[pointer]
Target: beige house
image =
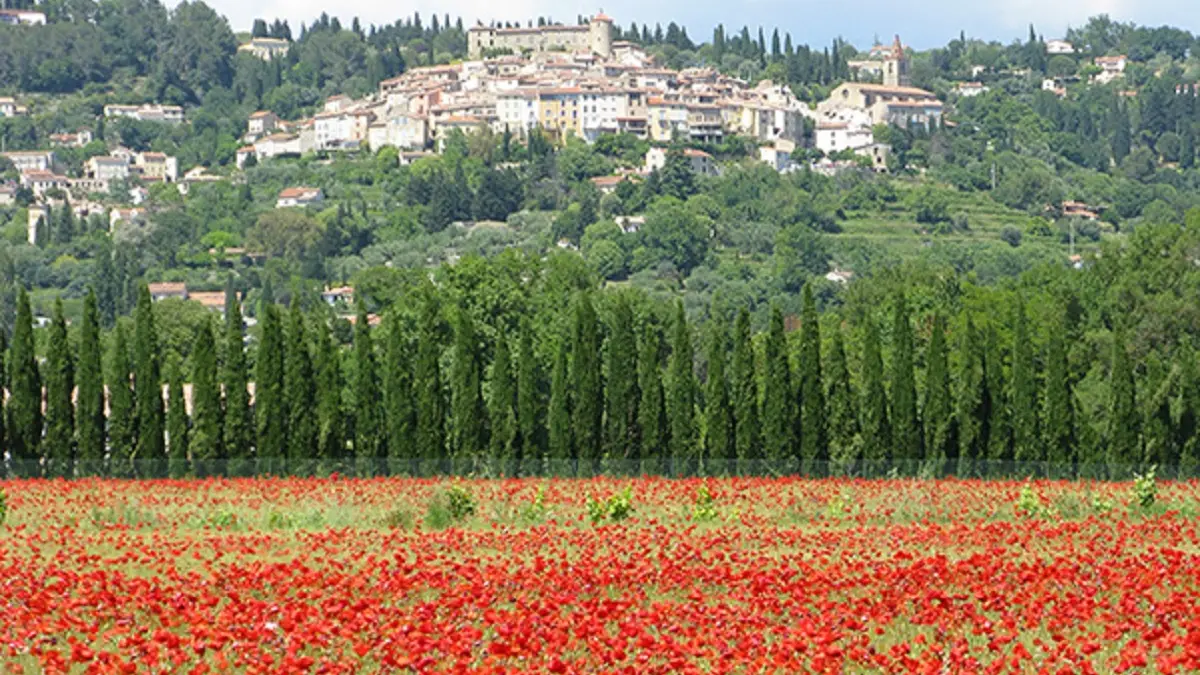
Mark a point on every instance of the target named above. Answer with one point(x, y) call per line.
point(261, 123)
point(595, 37)
point(31, 160)
point(299, 196)
point(700, 162)
point(265, 48)
point(108, 168)
point(155, 166)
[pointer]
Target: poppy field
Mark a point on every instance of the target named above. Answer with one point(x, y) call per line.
point(600, 575)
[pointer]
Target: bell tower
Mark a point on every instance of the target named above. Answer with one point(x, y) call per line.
point(895, 66)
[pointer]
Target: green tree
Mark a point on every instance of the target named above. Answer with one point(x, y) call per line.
point(971, 396)
point(621, 392)
point(588, 409)
point(1158, 427)
point(25, 393)
point(676, 179)
point(778, 415)
point(501, 410)
point(558, 418)
point(299, 393)
point(652, 413)
point(844, 447)
point(89, 417)
point(998, 429)
point(59, 442)
point(1124, 423)
point(528, 401)
point(331, 429)
point(238, 428)
point(1187, 438)
point(1058, 424)
point(681, 399)
point(398, 401)
point(1027, 445)
point(876, 432)
point(906, 428)
point(205, 440)
point(270, 409)
point(719, 445)
point(814, 437)
point(177, 424)
point(147, 377)
point(122, 420)
point(937, 409)
point(745, 396)
point(370, 444)
point(431, 405)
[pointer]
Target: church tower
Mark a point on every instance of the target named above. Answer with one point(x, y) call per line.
point(895, 66)
point(600, 35)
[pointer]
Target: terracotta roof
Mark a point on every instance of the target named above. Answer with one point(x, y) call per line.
point(260, 114)
point(297, 192)
point(167, 287)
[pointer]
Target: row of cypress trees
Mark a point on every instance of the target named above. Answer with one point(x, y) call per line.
point(613, 398)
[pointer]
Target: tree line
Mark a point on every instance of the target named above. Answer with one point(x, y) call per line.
point(623, 393)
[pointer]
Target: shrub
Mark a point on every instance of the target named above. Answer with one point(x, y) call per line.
point(616, 508)
point(1145, 488)
point(705, 509)
point(400, 518)
point(1011, 236)
point(449, 507)
point(1029, 504)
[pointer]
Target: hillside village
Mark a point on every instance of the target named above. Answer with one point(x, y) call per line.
point(566, 81)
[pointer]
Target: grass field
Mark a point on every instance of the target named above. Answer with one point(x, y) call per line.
point(600, 575)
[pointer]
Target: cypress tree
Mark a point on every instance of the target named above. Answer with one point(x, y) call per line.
point(427, 380)
point(1124, 450)
point(1027, 446)
point(778, 414)
point(718, 417)
point(814, 439)
point(205, 440)
point(906, 428)
point(1187, 437)
point(876, 432)
point(4, 382)
point(331, 433)
point(936, 411)
point(1159, 427)
point(397, 400)
point(681, 399)
point(89, 416)
point(177, 424)
point(269, 408)
point(652, 414)
point(501, 411)
point(844, 447)
point(122, 422)
point(621, 392)
point(970, 414)
point(299, 390)
point(238, 429)
point(59, 443)
point(745, 396)
point(25, 393)
point(466, 376)
point(147, 377)
point(558, 418)
point(1058, 423)
point(998, 427)
point(588, 409)
point(370, 446)
point(528, 405)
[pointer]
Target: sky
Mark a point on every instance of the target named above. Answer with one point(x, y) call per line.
point(921, 24)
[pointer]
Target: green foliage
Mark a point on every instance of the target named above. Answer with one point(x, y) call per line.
point(744, 391)
point(270, 408)
point(814, 439)
point(3, 506)
point(906, 428)
point(370, 441)
point(778, 415)
point(587, 410)
point(616, 508)
point(89, 414)
point(704, 510)
point(147, 377)
point(684, 449)
point(652, 415)
point(238, 430)
point(59, 442)
point(1145, 488)
point(24, 408)
point(450, 506)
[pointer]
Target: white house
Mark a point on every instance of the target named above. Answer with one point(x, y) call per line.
point(835, 136)
point(278, 144)
point(1056, 47)
point(31, 160)
point(22, 17)
point(970, 89)
point(108, 168)
point(778, 156)
point(265, 48)
point(1111, 68)
point(169, 114)
point(10, 108)
point(299, 196)
point(701, 162)
point(261, 122)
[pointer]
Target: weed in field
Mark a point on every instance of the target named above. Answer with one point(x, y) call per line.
point(3, 506)
point(535, 511)
point(449, 507)
point(705, 508)
point(399, 518)
point(1145, 488)
point(123, 515)
point(616, 508)
point(1029, 504)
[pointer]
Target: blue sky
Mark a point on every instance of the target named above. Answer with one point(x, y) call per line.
point(921, 24)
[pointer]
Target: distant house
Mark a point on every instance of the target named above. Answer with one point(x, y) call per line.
point(1111, 68)
point(299, 196)
point(31, 160)
point(168, 289)
point(701, 162)
point(22, 17)
point(169, 114)
point(261, 122)
point(840, 276)
point(778, 156)
point(118, 216)
point(68, 140)
point(1079, 210)
point(108, 168)
point(265, 48)
point(333, 296)
point(1056, 47)
point(157, 166)
point(970, 89)
point(10, 108)
point(8, 194)
point(609, 184)
point(41, 182)
point(211, 300)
